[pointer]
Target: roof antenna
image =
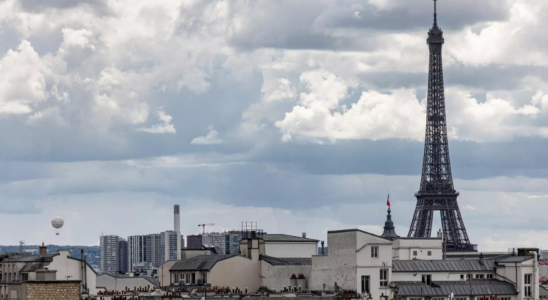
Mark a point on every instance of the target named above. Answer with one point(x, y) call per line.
point(435, 14)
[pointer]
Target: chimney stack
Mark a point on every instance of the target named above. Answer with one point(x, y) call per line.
point(304, 235)
point(43, 249)
point(177, 228)
point(323, 248)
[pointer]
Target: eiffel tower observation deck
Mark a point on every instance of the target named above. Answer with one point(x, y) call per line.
point(436, 192)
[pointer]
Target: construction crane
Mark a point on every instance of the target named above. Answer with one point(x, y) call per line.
point(204, 226)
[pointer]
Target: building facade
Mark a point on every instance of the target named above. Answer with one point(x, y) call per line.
point(113, 248)
point(194, 241)
point(24, 275)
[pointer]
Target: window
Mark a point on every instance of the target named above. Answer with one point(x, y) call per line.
point(479, 276)
point(461, 298)
point(24, 276)
point(462, 276)
point(415, 253)
point(365, 285)
point(176, 277)
point(204, 278)
point(384, 277)
point(527, 286)
point(468, 276)
point(429, 253)
point(375, 251)
point(427, 279)
point(505, 298)
point(489, 276)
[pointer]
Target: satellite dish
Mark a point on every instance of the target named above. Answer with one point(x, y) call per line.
point(57, 223)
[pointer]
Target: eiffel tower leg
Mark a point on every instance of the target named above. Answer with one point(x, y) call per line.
point(421, 225)
point(454, 230)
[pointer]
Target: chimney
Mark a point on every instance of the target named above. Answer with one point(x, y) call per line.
point(43, 249)
point(304, 235)
point(481, 258)
point(176, 218)
point(323, 249)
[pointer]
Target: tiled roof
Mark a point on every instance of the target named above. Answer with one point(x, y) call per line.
point(202, 262)
point(479, 287)
point(287, 261)
point(442, 265)
point(285, 238)
point(31, 258)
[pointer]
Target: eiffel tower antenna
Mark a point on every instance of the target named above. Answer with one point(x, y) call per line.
point(436, 192)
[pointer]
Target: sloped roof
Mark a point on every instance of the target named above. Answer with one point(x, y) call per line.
point(31, 258)
point(479, 287)
point(152, 280)
point(442, 265)
point(287, 261)
point(201, 262)
point(543, 291)
point(514, 259)
point(278, 237)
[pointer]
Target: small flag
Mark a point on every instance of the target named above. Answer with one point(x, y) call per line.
point(388, 200)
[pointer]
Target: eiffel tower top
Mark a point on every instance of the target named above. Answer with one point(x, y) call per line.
point(435, 35)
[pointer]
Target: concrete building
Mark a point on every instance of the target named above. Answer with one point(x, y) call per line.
point(194, 241)
point(113, 253)
point(215, 239)
point(232, 241)
point(136, 251)
point(53, 276)
point(123, 256)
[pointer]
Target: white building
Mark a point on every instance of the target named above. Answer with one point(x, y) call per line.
point(20, 271)
point(289, 246)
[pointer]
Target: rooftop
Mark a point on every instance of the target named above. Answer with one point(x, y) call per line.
point(31, 258)
point(201, 262)
point(478, 287)
point(287, 261)
point(278, 237)
point(455, 265)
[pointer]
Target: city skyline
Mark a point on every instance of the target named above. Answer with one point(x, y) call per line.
point(304, 125)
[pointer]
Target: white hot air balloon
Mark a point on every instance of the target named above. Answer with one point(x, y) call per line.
point(57, 223)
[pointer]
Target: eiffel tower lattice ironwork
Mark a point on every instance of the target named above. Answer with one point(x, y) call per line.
point(436, 191)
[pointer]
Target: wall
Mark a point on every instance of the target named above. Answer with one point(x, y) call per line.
point(371, 266)
point(339, 266)
point(237, 271)
point(163, 272)
point(404, 248)
point(111, 283)
point(301, 249)
point(51, 290)
point(277, 277)
point(66, 266)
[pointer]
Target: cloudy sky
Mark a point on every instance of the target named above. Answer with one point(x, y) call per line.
point(300, 115)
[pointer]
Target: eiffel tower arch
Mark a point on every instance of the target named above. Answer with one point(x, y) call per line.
point(436, 192)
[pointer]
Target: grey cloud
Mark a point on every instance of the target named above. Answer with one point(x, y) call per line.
point(40, 5)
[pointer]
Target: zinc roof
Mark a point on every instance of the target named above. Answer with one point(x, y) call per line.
point(202, 262)
point(287, 261)
point(31, 258)
point(442, 265)
point(278, 237)
point(478, 287)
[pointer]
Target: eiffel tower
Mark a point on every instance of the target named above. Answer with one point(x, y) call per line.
point(436, 188)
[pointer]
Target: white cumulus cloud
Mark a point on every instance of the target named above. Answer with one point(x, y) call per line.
point(211, 138)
